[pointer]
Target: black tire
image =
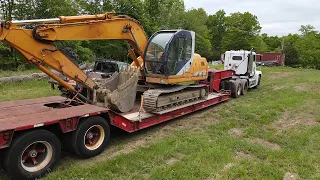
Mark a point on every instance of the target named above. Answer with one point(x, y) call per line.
point(235, 88)
point(37, 146)
point(258, 85)
point(79, 138)
point(244, 86)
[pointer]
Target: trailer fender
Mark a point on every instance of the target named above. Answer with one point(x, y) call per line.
point(68, 125)
point(6, 138)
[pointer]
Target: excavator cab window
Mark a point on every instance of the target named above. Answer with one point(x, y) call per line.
point(155, 52)
point(168, 52)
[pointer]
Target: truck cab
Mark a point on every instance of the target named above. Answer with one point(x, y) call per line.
point(244, 64)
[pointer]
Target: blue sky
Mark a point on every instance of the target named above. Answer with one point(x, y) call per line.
point(276, 17)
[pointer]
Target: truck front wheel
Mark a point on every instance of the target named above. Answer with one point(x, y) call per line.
point(258, 84)
point(32, 154)
point(91, 137)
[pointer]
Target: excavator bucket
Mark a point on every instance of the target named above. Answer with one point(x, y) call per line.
point(119, 91)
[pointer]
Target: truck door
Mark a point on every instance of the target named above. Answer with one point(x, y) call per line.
point(239, 63)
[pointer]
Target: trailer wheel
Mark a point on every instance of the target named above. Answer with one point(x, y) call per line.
point(32, 155)
point(235, 89)
point(244, 86)
point(91, 137)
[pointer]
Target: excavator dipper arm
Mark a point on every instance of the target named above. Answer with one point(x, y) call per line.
point(37, 45)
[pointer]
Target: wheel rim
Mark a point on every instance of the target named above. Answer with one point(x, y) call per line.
point(94, 137)
point(36, 156)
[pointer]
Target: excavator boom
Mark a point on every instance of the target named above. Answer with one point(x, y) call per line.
point(37, 44)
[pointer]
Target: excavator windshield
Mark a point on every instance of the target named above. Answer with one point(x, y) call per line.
point(154, 54)
point(168, 52)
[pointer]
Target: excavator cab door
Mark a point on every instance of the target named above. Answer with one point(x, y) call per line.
point(169, 53)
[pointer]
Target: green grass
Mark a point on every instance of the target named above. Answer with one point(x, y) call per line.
point(17, 73)
point(266, 134)
point(26, 90)
point(218, 66)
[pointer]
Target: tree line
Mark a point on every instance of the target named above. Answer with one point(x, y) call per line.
point(215, 33)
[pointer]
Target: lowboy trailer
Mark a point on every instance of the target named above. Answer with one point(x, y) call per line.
point(32, 131)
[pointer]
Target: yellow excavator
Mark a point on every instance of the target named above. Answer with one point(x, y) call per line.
point(160, 64)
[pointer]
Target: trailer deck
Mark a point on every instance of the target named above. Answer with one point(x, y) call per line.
point(31, 113)
point(26, 114)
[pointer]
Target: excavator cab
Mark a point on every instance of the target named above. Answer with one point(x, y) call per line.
point(169, 53)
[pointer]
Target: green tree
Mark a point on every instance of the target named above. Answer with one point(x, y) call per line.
point(290, 50)
point(55, 8)
point(308, 47)
point(217, 29)
point(195, 20)
point(241, 30)
point(7, 9)
point(306, 29)
point(259, 45)
point(273, 42)
point(164, 14)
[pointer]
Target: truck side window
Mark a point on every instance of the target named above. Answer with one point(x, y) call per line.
point(237, 58)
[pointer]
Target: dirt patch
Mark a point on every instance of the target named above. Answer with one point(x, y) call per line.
point(146, 176)
point(306, 115)
point(265, 143)
point(235, 132)
point(278, 87)
point(244, 155)
point(280, 75)
point(307, 87)
point(175, 159)
point(290, 176)
point(172, 161)
point(228, 166)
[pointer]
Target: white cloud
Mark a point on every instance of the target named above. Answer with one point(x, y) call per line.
point(276, 17)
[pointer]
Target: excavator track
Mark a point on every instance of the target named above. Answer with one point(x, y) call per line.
point(155, 100)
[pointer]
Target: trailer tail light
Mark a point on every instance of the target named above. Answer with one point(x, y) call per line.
point(5, 138)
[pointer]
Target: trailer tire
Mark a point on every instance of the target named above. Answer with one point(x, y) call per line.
point(39, 147)
point(244, 86)
point(235, 88)
point(91, 137)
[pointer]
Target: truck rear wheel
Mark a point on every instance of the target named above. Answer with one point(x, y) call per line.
point(235, 88)
point(91, 137)
point(32, 154)
point(244, 86)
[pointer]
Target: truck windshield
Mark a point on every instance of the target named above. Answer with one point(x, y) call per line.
point(105, 67)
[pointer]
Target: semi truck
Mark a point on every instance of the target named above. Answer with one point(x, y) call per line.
point(246, 74)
